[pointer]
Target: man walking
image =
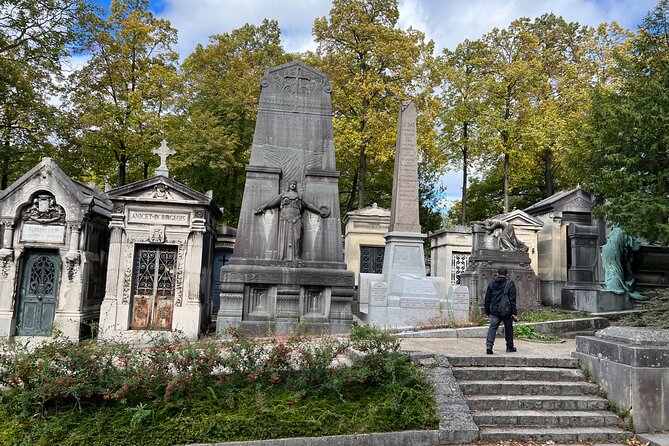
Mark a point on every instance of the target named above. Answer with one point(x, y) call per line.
point(500, 306)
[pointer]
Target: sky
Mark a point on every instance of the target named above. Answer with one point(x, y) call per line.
point(447, 22)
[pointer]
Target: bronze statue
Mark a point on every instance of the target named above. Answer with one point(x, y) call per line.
point(291, 206)
point(617, 254)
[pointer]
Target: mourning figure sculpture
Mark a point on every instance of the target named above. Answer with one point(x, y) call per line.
point(507, 236)
point(617, 255)
point(291, 205)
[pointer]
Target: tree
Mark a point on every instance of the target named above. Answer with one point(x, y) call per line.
point(463, 138)
point(373, 65)
point(35, 35)
point(628, 135)
point(122, 96)
point(217, 111)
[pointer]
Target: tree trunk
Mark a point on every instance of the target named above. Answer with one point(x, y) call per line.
point(351, 196)
point(465, 148)
point(362, 175)
point(122, 165)
point(548, 172)
point(506, 182)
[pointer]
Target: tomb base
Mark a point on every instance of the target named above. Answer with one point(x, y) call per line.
point(267, 300)
point(589, 300)
point(403, 296)
point(482, 269)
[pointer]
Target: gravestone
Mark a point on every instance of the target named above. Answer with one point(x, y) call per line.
point(458, 304)
point(491, 251)
point(54, 254)
point(160, 259)
point(412, 297)
point(287, 266)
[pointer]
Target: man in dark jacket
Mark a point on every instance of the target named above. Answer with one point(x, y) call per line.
point(500, 306)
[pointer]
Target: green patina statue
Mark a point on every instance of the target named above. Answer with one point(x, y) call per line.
point(617, 256)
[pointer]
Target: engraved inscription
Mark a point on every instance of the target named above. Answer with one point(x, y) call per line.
point(158, 217)
point(379, 293)
point(44, 234)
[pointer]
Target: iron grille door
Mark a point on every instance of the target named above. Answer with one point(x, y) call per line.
point(154, 287)
point(371, 259)
point(39, 291)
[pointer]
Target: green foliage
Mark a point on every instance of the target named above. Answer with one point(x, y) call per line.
point(217, 110)
point(208, 391)
point(524, 331)
point(34, 37)
point(121, 97)
point(627, 135)
point(550, 314)
point(373, 65)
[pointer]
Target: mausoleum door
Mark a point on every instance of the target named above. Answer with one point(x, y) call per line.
point(38, 293)
point(153, 287)
point(371, 259)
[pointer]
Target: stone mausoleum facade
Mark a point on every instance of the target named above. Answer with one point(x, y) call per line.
point(160, 260)
point(54, 254)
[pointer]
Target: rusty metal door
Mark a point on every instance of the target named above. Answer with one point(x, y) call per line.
point(153, 287)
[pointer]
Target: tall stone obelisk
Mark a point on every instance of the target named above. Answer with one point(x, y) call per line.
point(402, 296)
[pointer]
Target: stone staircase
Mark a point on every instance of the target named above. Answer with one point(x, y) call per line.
point(542, 399)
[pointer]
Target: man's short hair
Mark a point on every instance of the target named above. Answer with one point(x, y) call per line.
point(502, 271)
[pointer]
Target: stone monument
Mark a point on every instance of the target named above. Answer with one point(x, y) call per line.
point(160, 259)
point(54, 254)
point(403, 296)
point(287, 266)
point(495, 245)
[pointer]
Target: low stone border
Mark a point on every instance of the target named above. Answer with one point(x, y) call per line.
point(456, 425)
point(548, 328)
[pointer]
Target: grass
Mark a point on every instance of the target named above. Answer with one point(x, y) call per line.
point(527, 332)
point(550, 314)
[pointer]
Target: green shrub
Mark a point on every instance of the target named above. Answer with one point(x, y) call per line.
point(208, 391)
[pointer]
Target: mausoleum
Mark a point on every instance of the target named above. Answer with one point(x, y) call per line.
point(53, 256)
point(160, 259)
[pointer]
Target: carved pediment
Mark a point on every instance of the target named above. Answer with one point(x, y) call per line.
point(158, 189)
point(519, 218)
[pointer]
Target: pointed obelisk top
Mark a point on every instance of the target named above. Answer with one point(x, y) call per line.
point(163, 152)
point(404, 209)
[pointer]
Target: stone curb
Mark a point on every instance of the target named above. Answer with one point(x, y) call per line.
point(456, 425)
point(654, 439)
point(548, 328)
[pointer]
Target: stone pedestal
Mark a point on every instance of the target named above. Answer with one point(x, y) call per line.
point(632, 366)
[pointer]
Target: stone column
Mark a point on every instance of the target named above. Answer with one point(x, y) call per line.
point(108, 309)
point(7, 280)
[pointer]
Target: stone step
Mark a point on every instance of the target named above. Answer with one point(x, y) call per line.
point(536, 402)
point(608, 433)
point(508, 360)
point(518, 373)
point(546, 418)
point(527, 388)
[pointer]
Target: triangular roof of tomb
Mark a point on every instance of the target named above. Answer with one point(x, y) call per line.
point(575, 200)
point(89, 198)
point(520, 218)
point(144, 191)
point(373, 211)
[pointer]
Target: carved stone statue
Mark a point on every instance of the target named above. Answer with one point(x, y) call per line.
point(291, 206)
point(507, 235)
point(617, 255)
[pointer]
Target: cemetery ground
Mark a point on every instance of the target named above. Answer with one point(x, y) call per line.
point(209, 391)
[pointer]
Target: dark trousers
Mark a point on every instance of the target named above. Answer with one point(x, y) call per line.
point(492, 331)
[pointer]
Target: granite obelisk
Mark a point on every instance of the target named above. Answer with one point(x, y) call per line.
point(402, 296)
point(287, 266)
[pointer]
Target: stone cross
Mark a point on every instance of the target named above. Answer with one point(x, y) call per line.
point(163, 152)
